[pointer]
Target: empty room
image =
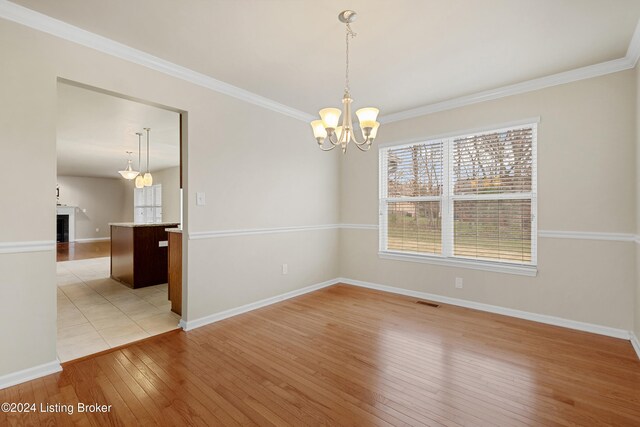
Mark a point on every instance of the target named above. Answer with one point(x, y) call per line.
point(297, 212)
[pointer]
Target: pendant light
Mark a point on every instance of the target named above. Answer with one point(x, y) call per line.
point(139, 179)
point(148, 179)
point(327, 129)
point(129, 173)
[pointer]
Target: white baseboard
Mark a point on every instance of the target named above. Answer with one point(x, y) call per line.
point(635, 343)
point(96, 239)
point(192, 324)
point(542, 318)
point(30, 374)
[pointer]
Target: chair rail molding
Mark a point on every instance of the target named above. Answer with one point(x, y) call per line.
point(28, 246)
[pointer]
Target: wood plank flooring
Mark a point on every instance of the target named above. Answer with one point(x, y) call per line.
point(354, 357)
point(82, 250)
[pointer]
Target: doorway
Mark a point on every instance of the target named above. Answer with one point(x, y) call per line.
point(104, 141)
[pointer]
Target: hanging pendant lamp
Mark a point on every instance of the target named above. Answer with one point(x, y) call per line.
point(129, 173)
point(148, 179)
point(139, 178)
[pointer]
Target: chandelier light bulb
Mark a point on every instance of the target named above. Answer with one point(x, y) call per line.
point(319, 131)
point(367, 117)
point(374, 130)
point(330, 117)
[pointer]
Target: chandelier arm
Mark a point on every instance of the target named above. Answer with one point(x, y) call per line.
point(368, 146)
point(321, 146)
point(334, 141)
point(365, 142)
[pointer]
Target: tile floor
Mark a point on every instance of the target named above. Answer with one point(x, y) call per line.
point(96, 313)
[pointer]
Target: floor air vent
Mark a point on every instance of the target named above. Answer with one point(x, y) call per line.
point(430, 304)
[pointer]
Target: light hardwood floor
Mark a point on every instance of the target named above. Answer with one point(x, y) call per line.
point(80, 250)
point(351, 356)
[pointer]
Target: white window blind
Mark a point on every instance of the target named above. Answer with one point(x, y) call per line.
point(414, 198)
point(469, 197)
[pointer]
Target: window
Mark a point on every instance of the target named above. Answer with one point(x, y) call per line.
point(461, 199)
point(147, 204)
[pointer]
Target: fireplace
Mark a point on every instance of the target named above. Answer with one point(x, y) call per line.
point(66, 224)
point(62, 228)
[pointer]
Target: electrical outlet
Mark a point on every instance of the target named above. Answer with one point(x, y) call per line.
point(285, 268)
point(201, 199)
point(97, 230)
point(458, 282)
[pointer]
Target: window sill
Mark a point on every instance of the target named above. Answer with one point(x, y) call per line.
point(521, 270)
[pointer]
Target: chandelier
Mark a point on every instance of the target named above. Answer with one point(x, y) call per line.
point(327, 128)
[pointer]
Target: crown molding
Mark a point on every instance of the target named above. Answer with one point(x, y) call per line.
point(38, 21)
point(633, 52)
point(587, 72)
point(55, 27)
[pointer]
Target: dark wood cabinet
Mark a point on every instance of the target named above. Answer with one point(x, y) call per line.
point(139, 254)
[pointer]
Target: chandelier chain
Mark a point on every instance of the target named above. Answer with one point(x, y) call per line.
point(351, 34)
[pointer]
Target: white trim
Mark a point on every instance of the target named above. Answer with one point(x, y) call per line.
point(359, 226)
point(552, 234)
point(29, 374)
point(577, 74)
point(541, 318)
point(522, 270)
point(635, 343)
point(31, 246)
point(588, 235)
point(189, 325)
point(633, 51)
point(197, 235)
point(96, 239)
point(55, 27)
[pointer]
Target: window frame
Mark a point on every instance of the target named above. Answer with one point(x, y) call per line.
point(447, 199)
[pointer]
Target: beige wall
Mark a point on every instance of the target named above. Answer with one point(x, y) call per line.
point(170, 180)
point(99, 202)
point(586, 181)
point(268, 174)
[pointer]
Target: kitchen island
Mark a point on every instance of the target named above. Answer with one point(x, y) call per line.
point(139, 253)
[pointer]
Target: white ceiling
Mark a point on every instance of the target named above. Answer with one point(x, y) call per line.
point(407, 53)
point(94, 132)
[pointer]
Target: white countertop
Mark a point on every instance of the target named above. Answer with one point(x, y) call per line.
point(133, 224)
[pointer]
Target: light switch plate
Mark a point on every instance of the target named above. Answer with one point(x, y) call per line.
point(201, 199)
